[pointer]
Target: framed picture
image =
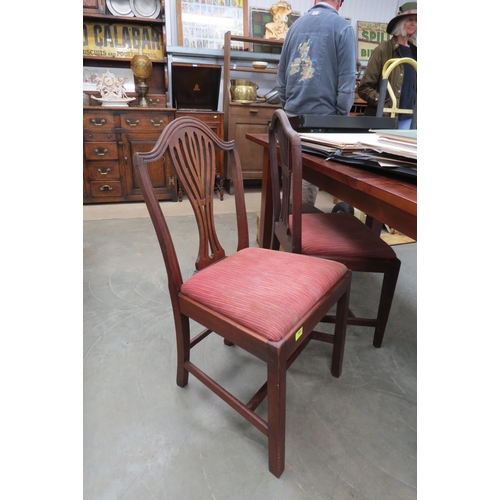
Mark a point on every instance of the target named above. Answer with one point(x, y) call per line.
point(203, 23)
point(258, 19)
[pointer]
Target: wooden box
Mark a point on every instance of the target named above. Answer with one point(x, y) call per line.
point(195, 86)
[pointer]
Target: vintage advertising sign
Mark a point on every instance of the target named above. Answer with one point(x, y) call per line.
point(117, 40)
point(370, 35)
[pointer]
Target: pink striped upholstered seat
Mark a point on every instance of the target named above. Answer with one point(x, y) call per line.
point(264, 290)
point(327, 235)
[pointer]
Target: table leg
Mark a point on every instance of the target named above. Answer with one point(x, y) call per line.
point(374, 224)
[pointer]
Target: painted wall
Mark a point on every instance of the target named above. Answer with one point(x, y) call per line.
point(356, 10)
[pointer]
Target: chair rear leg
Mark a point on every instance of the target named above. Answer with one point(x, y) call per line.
point(276, 397)
point(386, 296)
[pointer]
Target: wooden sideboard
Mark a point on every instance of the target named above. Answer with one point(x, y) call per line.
point(112, 135)
point(110, 138)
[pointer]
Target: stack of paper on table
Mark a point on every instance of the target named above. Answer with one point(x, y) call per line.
point(401, 136)
point(345, 142)
point(399, 142)
point(388, 148)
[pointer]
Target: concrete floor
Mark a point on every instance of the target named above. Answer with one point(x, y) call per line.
point(146, 438)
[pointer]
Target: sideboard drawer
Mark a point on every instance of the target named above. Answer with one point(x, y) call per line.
point(157, 101)
point(98, 121)
point(101, 150)
point(105, 189)
point(139, 122)
point(103, 171)
point(98, 137)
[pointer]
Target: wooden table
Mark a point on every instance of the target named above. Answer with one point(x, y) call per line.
point(383, 199)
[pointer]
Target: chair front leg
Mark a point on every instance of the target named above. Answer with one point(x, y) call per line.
point(276, 398)
point(182, 338)
point(340, 333)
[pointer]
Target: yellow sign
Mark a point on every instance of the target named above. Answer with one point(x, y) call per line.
point(370, 35)
point(121, 40)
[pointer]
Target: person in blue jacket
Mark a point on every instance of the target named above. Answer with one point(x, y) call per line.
point(317, 68)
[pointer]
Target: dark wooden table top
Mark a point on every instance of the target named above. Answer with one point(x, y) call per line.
point(386, 199)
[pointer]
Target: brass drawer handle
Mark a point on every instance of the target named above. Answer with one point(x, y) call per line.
point(157, 124)
point(102, 121)
point(157, 101)
point(106, 187)
point(104, 173)
point(100, 152)
point(132, 124)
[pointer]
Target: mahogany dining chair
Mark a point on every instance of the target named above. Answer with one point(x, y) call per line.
point(337, 236)
point(263, 301)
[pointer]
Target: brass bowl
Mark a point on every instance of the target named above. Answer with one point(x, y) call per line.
point(243, 90)
point(259, 64)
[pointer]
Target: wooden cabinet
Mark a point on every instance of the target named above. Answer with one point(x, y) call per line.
point(253, 119)
point(246, 118)
point(111, 135)
point(110, 138)
point(111, 41)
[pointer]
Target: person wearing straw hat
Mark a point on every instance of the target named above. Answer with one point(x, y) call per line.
point(403, 78)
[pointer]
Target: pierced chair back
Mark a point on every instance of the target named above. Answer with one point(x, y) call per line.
point(190, 147)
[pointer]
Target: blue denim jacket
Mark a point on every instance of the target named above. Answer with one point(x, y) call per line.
point(317, 68)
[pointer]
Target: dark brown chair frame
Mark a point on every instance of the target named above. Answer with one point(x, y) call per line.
point(191, 146)
point(285, 162)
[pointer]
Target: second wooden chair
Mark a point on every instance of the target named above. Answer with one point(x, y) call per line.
point(335, 236)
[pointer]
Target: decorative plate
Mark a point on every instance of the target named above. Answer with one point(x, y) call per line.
point(145, 8)
point(120, 8)
point(114, 103)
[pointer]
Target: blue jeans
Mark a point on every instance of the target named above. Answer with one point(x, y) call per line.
point(404, 124)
